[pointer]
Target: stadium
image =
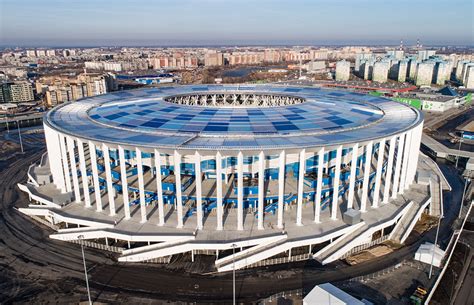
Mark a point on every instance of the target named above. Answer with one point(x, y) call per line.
point(259, 170)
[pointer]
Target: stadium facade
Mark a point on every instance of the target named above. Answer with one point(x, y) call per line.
point(201, 168)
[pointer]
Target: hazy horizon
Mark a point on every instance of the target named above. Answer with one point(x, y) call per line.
point(88, 23)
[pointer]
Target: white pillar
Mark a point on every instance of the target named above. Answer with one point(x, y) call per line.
point(398, 165)
point(54, 157)
point(108, 178)
point(141, 184)
point(123, 176)
point(240, 191)
point(261, 188)
point(319, 186)
point(72, 162)
point(405, 162)
point(378, 174)
point(365, 185)
point(198, 183)
point(179, 198)
point(95, 176)
point(220, 207)
point(85, 179)
point(353, 176)
point(388, 174)
point(414, 153)
point(301, 171)
point(159, 189)
point(67, 174)
point(281, 188)
point(337, 179)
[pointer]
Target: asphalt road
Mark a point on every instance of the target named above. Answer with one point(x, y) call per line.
point(442, 133)
point(465, 295)
point(34, 268)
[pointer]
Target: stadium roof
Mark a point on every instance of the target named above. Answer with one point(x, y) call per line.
point(143, 118)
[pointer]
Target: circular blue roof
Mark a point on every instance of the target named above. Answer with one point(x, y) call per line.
point(303, 117)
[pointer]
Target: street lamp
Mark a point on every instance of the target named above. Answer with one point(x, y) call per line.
point(19, 135)
point(434, 248)
point(233, 273)
point(459, 149)
point(6, 121)
point(463, 194)
point(81, 237)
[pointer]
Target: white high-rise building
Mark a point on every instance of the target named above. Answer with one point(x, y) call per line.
point(343, 69)
point(380, 73)
point(442, 73)
point(402, 71)
point(360, 57)
point(469, 83)
point(425, 54)
point(424, 73)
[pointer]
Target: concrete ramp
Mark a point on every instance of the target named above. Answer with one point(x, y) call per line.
point(436, 192)
point(342, 245)
point(254, 254)
point(407, 222)
point(163, 249)
point(58, 216)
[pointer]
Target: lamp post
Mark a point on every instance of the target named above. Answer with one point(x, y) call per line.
point(459, 149)
point(81, 237)
point(434, 248)
point(233, 273)
point(6, 121)
point(463, 194)
point(19, 135)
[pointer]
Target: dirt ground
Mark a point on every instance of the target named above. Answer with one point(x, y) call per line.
point(425, 223)
point(373, 252)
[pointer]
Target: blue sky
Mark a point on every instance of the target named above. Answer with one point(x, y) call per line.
point(126, 22)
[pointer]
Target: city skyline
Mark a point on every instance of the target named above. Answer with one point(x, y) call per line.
point(30, 23)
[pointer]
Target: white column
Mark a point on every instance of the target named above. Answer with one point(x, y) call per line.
point(398, 165)
point(198, 183)
point(240, 191)
point(67, 174)
point(405, 162)
point(414, 153)
point(54, 157)
point(72, 161)
point(365, 185)
point(281, 188)
point(95, 176)
point(108, 178)
point(261, 188)
point(337, 179)
point(378, 174)
point(319, 186)
point(141, 184)
point(85, 179)
point(179, 198)
point(388, 174)
point(301, 171)
point(220, 207)
point(353, 176)
point(123, 176)
point(159, 189)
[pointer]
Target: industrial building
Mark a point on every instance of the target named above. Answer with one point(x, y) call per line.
point(263, 169)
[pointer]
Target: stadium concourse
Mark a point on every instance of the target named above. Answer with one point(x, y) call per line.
point(259, 168)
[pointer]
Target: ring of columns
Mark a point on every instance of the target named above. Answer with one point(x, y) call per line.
point(146, 151)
